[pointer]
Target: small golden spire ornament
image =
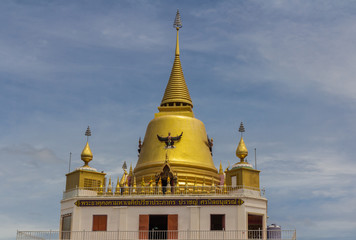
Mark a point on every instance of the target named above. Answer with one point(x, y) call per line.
point(221, 171)
point(126, 191)
point(241, 151)
point(117, 189)
point(101, 189)
point(168, 186)
point(143, 185)
point(87, 155)
point(130, 172)
point(134, 186)
point(109, 186)
point(160, 186)
point(151, 186)
point(213, 188)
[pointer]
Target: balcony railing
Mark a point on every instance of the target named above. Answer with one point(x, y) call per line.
point(181, 235)
point(164, 191)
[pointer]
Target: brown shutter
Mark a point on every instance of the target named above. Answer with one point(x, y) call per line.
point(100, 222)
point(172, 226)
point(143, 226)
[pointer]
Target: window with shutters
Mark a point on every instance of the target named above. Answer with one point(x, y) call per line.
point(100, 222)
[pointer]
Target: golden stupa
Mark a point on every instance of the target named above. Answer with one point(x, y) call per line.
point(176, 145)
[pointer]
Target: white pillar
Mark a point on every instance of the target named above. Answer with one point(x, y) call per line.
point(242, 222)
point(122, 218)
point(194, 225)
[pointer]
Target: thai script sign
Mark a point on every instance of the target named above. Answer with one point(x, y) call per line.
point(159, 202)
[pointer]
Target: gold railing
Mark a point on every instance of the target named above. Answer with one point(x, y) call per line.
point(163, 191)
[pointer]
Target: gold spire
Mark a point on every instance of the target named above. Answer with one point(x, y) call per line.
point(130, 173)
point(86, 155)
point(176, 92)
point(221, 171)
point(109, 186)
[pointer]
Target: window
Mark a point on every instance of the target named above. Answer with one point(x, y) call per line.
point(217, 222)
point(233, 181)
point(91, 184)
point(66, 226)
point(255, 226)
point(100, 222)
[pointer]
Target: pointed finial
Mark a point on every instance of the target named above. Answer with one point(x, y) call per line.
point(177, 91)
point(177, 24)
point(241, 151)
point(242, 128)
point(221, 171)
point(86, 155)
point(124, 166)
point(139, 145)
point(109, 186)
point(130, 173)
point(88, 133)
point(177, 21)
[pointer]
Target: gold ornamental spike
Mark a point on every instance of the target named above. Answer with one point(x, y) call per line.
point(117, 189)
point(130, 173)
point(225, 188)
point(176, 90)
point(101, 189)
point(109, 186)
point(86, 155)
point(134, 186)
point(213, 188)
point(241, 151)
point(221, 171)
point(168, 187)
point(143, 186)
point(127, 190)
point(160, 186)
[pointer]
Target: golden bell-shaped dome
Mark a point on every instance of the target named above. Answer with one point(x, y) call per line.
point(86, 155)
point(176, 143)
point(241, 151)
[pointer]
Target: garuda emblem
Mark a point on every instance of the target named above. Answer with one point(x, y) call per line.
point(169, 140)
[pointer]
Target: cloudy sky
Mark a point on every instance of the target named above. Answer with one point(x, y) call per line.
point(284, 68)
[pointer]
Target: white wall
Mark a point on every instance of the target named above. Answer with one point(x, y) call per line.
point(189, 217)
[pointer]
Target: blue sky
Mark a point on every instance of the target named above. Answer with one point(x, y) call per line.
point(284, 68)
